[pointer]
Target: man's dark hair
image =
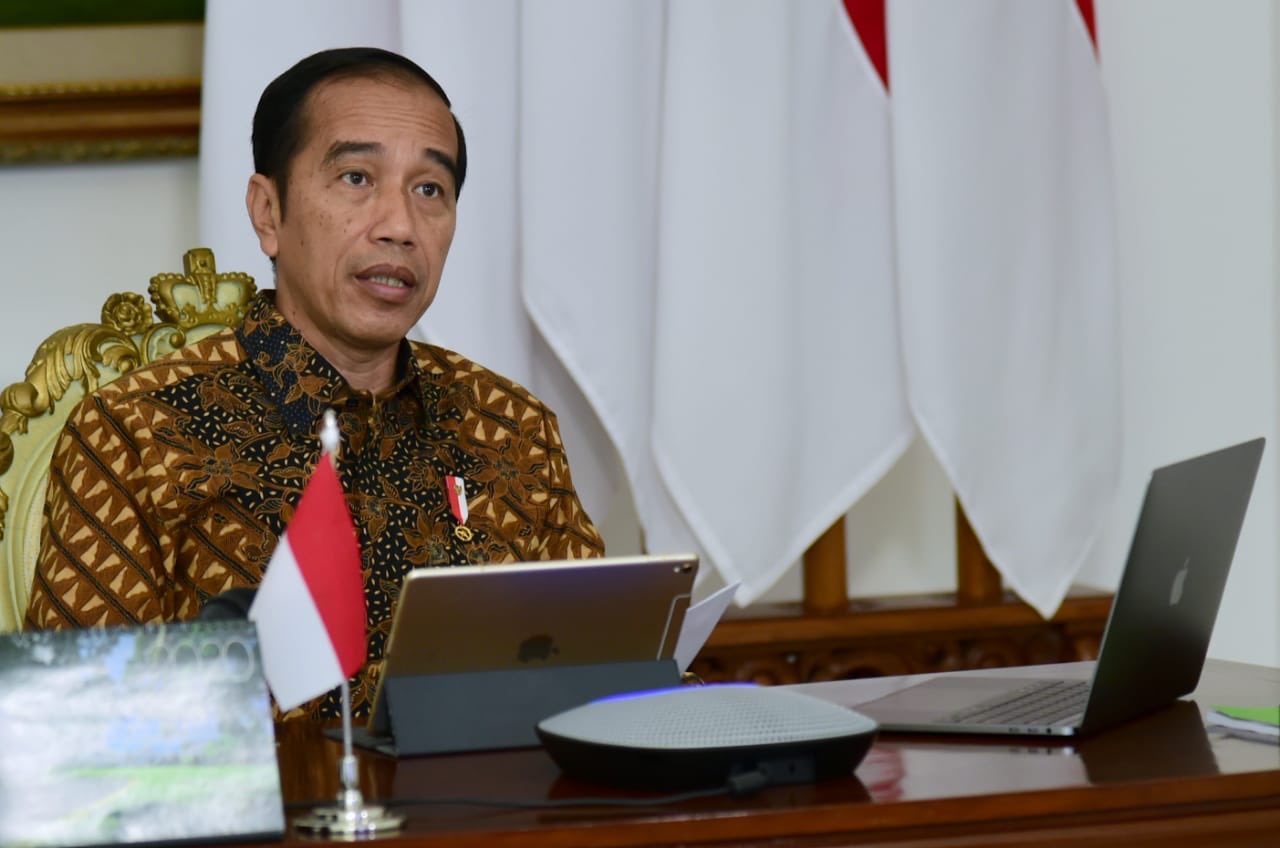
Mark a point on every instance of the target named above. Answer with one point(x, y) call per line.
point(279, 124)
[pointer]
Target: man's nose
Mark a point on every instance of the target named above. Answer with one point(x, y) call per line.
point(393, 220)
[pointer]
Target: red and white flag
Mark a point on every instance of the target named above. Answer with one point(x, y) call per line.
point(1006, 279)
point(310, 608)
point(712, 260)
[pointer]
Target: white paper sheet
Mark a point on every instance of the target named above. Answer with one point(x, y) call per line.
point(699, 621)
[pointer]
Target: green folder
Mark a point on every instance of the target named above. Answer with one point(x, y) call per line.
point(1267, 716)
point(1258, 723)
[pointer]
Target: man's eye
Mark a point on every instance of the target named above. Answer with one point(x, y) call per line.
point(355, 178)
point(429, 190)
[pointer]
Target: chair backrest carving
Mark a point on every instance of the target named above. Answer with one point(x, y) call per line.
point(75, 361)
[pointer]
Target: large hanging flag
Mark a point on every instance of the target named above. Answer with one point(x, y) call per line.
point(776, 246)
point(709, 249)
point(1005, 271)
point(310, 609)
point(589, 221)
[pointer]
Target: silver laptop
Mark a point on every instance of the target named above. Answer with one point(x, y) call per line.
point(1158, 632)
point(472, 618)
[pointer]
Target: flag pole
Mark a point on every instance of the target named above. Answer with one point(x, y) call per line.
point(351, 797)
point(351, 817)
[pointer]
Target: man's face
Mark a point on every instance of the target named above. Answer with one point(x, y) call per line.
point(369, 215)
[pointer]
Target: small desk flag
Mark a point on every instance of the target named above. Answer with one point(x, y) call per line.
point(310, 608)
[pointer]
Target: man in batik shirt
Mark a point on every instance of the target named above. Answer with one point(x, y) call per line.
point(173, 484)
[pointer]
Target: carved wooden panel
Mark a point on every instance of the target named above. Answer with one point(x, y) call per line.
point(777, 645)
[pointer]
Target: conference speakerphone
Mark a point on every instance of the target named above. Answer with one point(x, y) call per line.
point(738, 735)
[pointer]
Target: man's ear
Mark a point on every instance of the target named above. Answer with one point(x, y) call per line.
point(263, 202)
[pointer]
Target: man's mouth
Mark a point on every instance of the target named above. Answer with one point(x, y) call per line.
point(392, 276)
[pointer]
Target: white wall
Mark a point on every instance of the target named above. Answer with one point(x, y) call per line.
point(72, 234)
point(1193, 94)
point(1193, 88)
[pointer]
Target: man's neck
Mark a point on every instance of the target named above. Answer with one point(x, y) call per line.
point(373, 372)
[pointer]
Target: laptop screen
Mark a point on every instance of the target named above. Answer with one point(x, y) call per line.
point(141, 735)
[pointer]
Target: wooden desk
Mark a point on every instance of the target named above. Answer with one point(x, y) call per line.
point(1159, 781)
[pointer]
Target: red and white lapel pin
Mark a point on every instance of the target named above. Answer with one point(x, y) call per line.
point(456, 488)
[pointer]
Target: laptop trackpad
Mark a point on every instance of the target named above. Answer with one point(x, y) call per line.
point(937, 698)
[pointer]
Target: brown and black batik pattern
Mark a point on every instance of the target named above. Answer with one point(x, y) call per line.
point(173, 484)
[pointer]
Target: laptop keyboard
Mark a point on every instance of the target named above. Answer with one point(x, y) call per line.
point(1044, 703)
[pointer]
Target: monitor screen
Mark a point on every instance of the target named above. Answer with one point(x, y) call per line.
point(136, 735)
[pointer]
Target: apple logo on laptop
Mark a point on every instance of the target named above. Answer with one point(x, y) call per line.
point(540, 647)
point(1179, 579)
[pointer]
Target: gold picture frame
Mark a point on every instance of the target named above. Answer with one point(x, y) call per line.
point(83, 91)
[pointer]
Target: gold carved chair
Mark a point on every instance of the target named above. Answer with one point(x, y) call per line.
point(75, 361)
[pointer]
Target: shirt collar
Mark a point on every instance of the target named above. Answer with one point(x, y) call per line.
point(300, 381)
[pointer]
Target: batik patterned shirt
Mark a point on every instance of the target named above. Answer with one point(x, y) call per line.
point(173, 483)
